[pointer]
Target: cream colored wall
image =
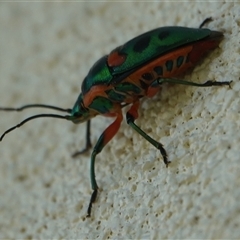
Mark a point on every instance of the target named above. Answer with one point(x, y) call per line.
point(46, 49)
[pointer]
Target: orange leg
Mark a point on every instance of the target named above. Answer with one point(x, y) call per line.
point(106, 136)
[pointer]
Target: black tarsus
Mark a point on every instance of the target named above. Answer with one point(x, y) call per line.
point(92, 200)
point(207, 20)
point(88, 141)
point(210, 83)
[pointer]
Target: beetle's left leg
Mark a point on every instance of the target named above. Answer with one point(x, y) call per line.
point(106, 136)
point(88, 141)
point(184, 82)
point(131, 116)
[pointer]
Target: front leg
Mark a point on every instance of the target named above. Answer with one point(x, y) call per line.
point(106, 136)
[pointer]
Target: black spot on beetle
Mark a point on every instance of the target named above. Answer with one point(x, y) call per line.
point(164, 34)
point(158, 70)
point(142, 44)
point(169, 65)
point(127, 87)
point(115, 96)
point(180, 61)
point(147, 76)
point(143, 84)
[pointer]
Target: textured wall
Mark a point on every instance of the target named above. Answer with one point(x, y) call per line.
point(46, 49)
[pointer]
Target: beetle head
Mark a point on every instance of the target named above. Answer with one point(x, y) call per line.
point(80, 113)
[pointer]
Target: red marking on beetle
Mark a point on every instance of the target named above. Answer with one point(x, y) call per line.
point(99, 91)
point(152, 91)
point(95, 91)
point(160, 61)
point(134, 109)
point(115, 59)
point(200, 48)
point(112, 129)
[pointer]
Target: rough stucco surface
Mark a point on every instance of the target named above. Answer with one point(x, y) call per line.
point(46, 49)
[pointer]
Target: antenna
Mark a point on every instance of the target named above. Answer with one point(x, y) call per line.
point(67, 117)
point(68, 110)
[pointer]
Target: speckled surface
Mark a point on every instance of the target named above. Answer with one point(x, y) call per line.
point(46, 49)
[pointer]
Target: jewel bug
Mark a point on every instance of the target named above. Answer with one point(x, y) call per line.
point(128, 73)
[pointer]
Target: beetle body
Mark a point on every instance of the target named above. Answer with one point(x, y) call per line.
point(131, 71)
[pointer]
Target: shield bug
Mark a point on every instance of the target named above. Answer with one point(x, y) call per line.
point(131, 71)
